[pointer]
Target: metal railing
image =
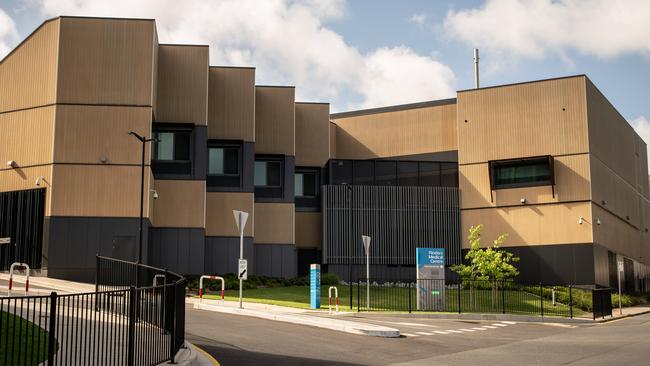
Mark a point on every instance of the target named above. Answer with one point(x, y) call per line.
point(480, 296)
point(124, 322)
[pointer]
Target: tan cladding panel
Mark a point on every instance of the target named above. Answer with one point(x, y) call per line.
point(275, 120)
point(219, 219)
point(97, 190)
point(532, 225)
point(182, 94)
point(405, 132)
point(538, 118)
point(180, 203)
point(86, 133)
point(571, 184)
point(27, 137)
point(21, 179)
point(28, 75)
point(231, 104)
point(106, 61)
point(274, 223)
point(615, 194)
point(309, 230)
point(312, 134)
point(614, 142)
point(617, 235)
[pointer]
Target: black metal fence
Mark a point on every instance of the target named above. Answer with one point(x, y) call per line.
point(128, 320)
point(504, 297)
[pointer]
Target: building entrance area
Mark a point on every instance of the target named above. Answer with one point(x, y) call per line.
point(21, 227)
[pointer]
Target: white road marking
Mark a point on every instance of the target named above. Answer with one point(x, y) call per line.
point(407, 324)
point(453, 331)
point(409, 334)
point(479, 328)
point(440, 332)
point(507, 322)
point(467, 330)
point(500, 325)
point(423, 333)
point(489, 327)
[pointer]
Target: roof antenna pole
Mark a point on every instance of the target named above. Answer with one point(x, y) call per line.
point(476, 84)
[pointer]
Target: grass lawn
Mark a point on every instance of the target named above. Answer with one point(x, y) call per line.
point(397, 299)
point(21, 342)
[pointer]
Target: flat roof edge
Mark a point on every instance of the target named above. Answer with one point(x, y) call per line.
point(394, 108)
point(522, 83)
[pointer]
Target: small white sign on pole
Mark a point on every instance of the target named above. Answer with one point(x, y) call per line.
point(5, 240)
point(242, 273)
point(366, 246)
point(621, 266)
point(240, 218)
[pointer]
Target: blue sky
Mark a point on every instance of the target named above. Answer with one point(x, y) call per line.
point(369, 53)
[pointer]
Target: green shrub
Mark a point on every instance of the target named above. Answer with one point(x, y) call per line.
point(329, 279)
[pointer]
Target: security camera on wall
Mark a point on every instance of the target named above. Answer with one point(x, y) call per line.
point(12, 163)
point(581, 220)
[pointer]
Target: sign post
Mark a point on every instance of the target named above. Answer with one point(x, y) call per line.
point(366, 246)
point(314, 286)
point(242, 265)
point(620, 268)
point(430, 263)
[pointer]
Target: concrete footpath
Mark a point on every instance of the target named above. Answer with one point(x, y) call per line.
point(295, 316)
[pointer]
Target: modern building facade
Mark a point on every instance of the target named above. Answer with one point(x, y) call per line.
point(551, 163)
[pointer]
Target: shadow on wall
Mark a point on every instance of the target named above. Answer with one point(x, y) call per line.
point(349, 147)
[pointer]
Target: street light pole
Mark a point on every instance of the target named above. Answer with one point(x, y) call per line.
point(144, 141)
point(351, 221)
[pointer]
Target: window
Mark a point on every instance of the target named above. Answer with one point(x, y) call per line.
point(224, 165)
point(171, 150)
point(341, 171)
point(269, 177)
point(364, 172)
point(448, 175)
point(429, 174)
point(407, 173)
point(385, 173)
point(525, 172)
point(307, 189)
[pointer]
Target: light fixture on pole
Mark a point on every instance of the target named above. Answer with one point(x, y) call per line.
point(366, 246)
point(242, 272)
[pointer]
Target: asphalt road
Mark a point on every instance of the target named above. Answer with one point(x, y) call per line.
point(239, 340)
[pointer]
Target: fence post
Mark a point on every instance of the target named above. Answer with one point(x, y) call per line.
point(541, 299)
point(358, 295)
point(172, 333)
point(52, 331)
point(409, 295)
point(458, 296)
point(96, 281)
point(131, 339)
point(503, 296)
point(570, 302)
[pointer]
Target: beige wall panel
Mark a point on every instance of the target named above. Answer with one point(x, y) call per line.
point(182, 84)
point(312, 134)
point(180, 203)
point(617, 235)
point(532, 225)
point(21, 179)
point(309, 230)
point(522, 120)
point(332, 140)
point(231, 104)
point(621, 198)
point(97, 190)
point(106, 61)
point(274, 223)
point(614, 142)
point(275, 120)
point(571, 179)
point(219, 220)
point(86, 133)
point(27, 137)
point(28, 75)
point(406, 132)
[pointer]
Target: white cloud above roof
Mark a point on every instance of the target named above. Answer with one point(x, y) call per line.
point(8, 33)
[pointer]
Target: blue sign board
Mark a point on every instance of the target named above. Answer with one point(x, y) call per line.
point(430, 257)
point(314, 286)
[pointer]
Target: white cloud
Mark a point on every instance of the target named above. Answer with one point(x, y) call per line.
point(642, 126)
point(533, 28)
point(288, 42)
point(8, 33)
point(398, 75)
point(418, 19)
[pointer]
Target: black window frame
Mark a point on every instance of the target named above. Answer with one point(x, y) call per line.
point(226, 181)
point(270, 191)
point(175, 168)
point(439, 176)
point(309, 203)
point(495, 164)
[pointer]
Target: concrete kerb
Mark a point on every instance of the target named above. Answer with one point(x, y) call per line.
point(191, 355)
point(309, 320)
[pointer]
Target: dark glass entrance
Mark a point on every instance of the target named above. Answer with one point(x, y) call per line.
point(21, 224)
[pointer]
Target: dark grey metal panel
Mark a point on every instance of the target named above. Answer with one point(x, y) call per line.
point(248, 165)
point(275, 260)
point(72, 243)
point(178, 249)
point(200, 152)
point(222, 253)
point(399, 220)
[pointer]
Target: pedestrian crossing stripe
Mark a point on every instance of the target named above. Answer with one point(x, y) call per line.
point(500, 325)
point(440, 332)
point(423, 333)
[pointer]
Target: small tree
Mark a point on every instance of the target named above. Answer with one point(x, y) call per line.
point(490, 264)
